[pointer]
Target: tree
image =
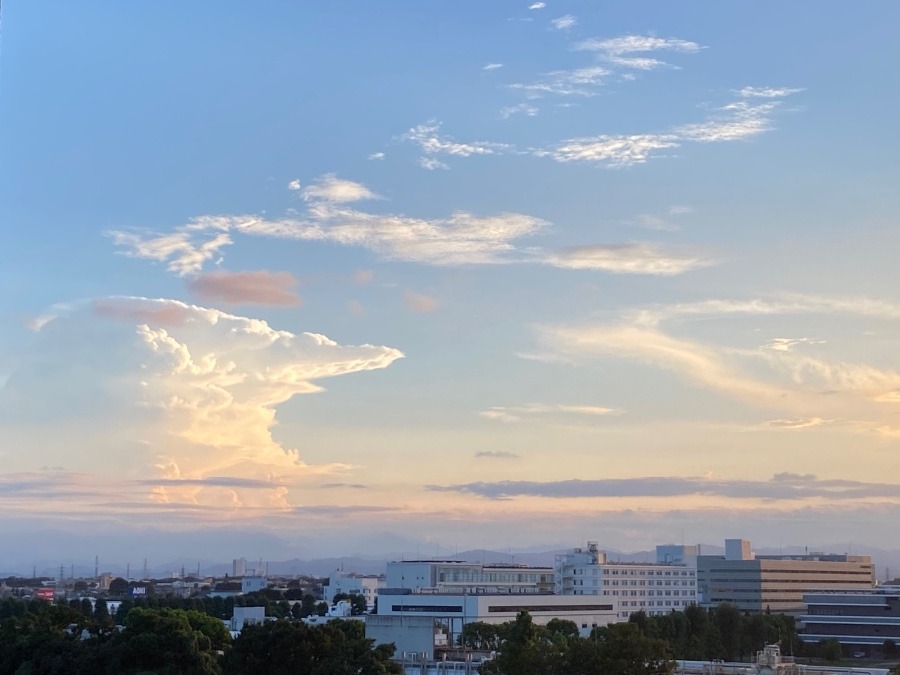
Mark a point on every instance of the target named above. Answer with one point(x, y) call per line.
point(283, 648)
point(118, 587)
point(624, 650)
point(525, 650)
point(889, 649)
point(480, 635)
point(358, 604)
point(307, 606)
point(831, 650)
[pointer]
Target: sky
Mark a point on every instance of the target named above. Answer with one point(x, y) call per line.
point(369, 277)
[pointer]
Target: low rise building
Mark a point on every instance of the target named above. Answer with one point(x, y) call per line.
point(354, 584)
point(464, 577)
point(862, 621)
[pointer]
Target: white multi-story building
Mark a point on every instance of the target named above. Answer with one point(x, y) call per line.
point(655, 588)
point(353, 584)
point(451, 576)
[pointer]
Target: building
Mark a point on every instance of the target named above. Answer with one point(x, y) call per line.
point(655, 588)
point(238, 567)
point(757, 583)
point(353, 584)
point(242, 616)
point(428, 622)
point(860, 620)
point(455, 576)
point(253, 584)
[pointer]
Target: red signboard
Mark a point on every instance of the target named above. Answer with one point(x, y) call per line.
point(44, 594)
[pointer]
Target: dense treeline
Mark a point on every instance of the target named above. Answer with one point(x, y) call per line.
point(646, 645)
point(39, 638)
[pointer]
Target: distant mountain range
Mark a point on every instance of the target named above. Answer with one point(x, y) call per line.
point(887, 562)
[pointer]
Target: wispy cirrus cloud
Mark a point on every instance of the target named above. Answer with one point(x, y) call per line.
point(740, 120)
point(575, 82)
point(492, 66)
point(536, 410)
point(496, 454)
point(460, 239)
point(259, 287)
point(630, 258)
point(631, 51)
point(186, 251)
point(432, 142)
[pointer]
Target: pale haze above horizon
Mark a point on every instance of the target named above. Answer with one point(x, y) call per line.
point(356, 277)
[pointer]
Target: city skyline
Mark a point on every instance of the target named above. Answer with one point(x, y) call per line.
point(616, 273)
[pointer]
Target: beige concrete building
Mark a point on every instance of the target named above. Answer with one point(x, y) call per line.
point(776, 583)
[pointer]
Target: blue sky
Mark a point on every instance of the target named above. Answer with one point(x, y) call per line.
point(647, 246)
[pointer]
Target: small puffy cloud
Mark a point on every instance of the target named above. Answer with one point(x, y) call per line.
point(294, 185)
point(630, 258)
point(376, 155)
point(537, 5)
point(492, 66)
point(564, 22)
point(363, 277)
point(258, 287)
point(419, 303)
point(330, 188)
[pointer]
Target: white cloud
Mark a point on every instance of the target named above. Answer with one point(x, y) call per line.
point(564, 22)
point(492, 66)
point(650, 222)
point(518, 413)
point(788, 344)
point(797, 423)
point(376, 155)
point(431, 142)
point(522, 108)
point(613, 151)
point(630, 258)
point(186, 251)
point(739, 119)
point(294, 185)
point(460, 239)
point(767, 92)
point(176, 391)
point(330, 188)
point(575, 82)
point(621, 50)
point(678, 210)
point(537, 5)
